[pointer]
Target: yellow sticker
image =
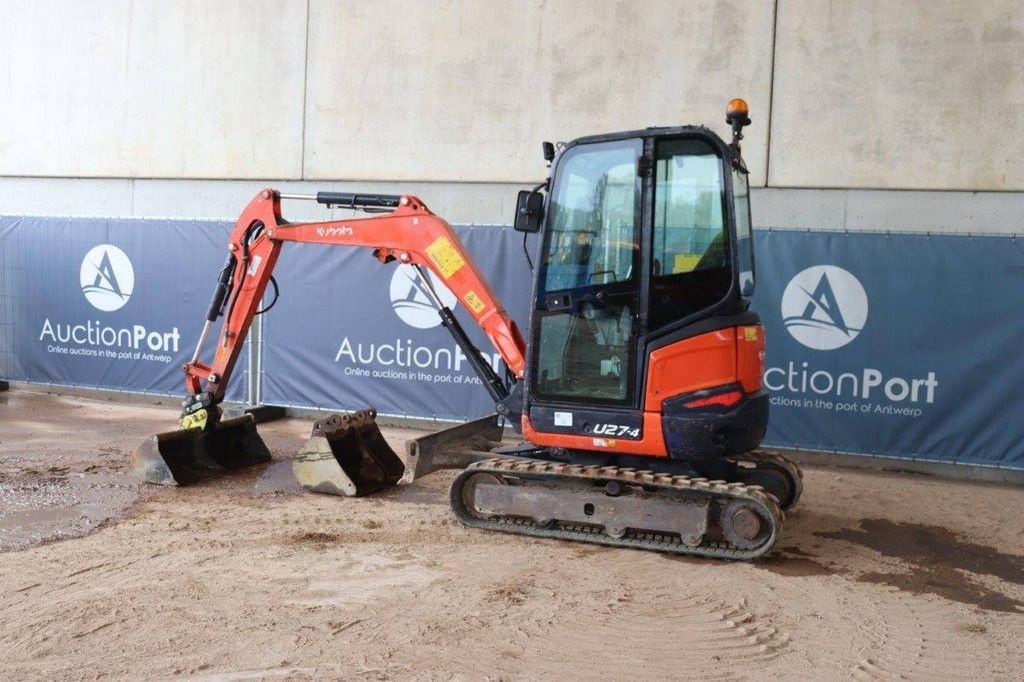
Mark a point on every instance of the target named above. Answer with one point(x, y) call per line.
point(445, 257)
point(685, 262)
point(750, 333)
point(475, 303)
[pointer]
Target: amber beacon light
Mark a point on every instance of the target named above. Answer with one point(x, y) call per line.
point(737, 108)
point(736, 116)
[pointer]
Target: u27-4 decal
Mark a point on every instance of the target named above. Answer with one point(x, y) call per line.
point(616, 430)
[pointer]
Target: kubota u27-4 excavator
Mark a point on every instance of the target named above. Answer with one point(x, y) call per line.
point(638, 395)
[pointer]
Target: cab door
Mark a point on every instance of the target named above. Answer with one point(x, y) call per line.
point(586, 310)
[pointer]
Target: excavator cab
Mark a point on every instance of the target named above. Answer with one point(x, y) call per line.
point(641, 335)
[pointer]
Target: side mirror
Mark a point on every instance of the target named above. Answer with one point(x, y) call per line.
point(529, 211)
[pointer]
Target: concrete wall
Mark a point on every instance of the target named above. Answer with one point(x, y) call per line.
point(918, 94)
point(187, 108)
point(152, 89)
point(466, 90)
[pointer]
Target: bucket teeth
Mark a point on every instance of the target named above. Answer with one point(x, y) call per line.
point(190, 455)
point(347, 455)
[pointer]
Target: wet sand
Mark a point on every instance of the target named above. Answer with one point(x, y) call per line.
point(877, 576)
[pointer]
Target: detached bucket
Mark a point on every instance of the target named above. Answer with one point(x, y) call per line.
point(190, 455)
point(347, 455)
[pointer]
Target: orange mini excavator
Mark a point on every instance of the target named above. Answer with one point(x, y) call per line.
point(638, 397)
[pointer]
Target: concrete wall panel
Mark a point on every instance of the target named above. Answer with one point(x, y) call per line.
point(893, 211)
point(466, 90)
point(487, 203)
point(66, 196)
point(462, 203)
point(152, 88)
point(917, 94)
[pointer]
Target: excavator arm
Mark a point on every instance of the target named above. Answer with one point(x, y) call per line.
point(408, 233)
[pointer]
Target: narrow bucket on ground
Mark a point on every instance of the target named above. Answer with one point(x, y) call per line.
point(347, 455)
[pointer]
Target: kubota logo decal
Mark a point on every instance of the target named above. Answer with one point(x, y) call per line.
point(824, 307)
point(107, 277)
point(411, 300)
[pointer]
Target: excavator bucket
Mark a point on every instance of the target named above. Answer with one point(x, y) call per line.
point(189, 455)
point(347, 454)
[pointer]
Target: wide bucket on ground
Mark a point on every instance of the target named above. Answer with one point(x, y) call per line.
point(187, 456)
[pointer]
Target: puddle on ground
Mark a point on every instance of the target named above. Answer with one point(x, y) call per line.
point(46, 503)
point(275, 478)
point(41, 507)
point(938, 559)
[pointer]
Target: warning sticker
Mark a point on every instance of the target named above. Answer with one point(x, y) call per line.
point(475, 303)
point(445, 257)
point(685, 262)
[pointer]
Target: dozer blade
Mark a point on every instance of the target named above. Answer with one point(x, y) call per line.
point(190, 455)
point(347, 454)
point(453, 448)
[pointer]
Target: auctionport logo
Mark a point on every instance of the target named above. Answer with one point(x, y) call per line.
point(824, 307)
point(411, 300)
point(107, 277)
point(108, 280)
point(401, 358)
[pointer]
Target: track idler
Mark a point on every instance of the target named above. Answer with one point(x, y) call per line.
point(190, 455)
point(347, 455)
point(776, 473)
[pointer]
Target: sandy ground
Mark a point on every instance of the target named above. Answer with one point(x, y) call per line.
point(878, 576)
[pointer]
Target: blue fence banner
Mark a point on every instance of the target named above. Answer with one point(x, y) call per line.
point(106, 303)
point(349, 332)
point(901, 345)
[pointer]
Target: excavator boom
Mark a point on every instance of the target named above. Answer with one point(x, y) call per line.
point(346, 453)
point(411, 234)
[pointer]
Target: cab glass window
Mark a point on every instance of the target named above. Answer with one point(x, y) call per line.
point(591, 228)
point(586, 309)
point(744, 235)
point(691, 264)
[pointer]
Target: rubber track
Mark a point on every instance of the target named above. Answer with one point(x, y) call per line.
point(654, 541)
point(782, 462)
